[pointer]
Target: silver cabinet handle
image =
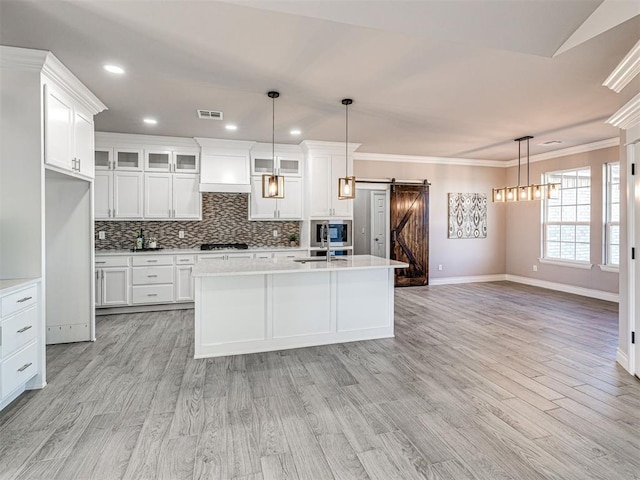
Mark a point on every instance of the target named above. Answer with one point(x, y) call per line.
point(152, 276)
point(24, 367)
point(174, 213)
point(24, 329)
point(152, 261)
point(22, 300)
point(102, 274)
point(101, 262)
point(79, 164)
point(152, 294)
point(169, 213)
point(184, 259)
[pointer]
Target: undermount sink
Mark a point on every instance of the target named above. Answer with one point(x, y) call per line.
point(316, 259)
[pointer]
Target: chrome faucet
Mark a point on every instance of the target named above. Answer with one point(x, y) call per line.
point(324, 237)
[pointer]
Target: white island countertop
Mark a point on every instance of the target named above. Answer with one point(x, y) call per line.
point(267, 266)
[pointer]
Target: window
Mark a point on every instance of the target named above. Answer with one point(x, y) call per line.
point(612, 215)
point(567, 218)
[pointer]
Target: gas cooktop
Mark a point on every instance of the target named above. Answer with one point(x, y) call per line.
point(224, 246)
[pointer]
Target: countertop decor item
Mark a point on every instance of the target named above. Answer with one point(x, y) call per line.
point(273, 185)
point(346, 184)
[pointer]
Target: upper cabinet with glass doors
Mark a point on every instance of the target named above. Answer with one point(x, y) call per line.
point(287, 161)
point(176, 161)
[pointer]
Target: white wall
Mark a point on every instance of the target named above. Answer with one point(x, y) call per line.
point(459, 257)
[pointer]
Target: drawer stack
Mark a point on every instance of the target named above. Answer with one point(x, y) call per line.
point(152, 278)
point(19, 340)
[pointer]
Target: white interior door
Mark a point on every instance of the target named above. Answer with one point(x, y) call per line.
point(379, 224)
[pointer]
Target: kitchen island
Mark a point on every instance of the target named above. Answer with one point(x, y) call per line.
point(249, 306)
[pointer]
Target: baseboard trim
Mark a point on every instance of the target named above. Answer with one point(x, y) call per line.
point(468, 279)
point(561, 287)
point(143, 308)
point(623, 360)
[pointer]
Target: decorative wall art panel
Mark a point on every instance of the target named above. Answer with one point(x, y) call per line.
point(467, 215)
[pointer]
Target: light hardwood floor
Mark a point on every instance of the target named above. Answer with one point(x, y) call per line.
point(487, 381)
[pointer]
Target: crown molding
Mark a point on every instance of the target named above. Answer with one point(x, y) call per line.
point(328, 147)
point(23, 58)
point(131, 139)
point(626, 70)
point(628, 116)
point(465, 162)
point(242, 145)
point(587, 147)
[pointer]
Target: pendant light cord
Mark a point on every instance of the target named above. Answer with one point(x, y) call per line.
point(346, 141)
point(519, 144)
point(528, 182)
point(273, 133)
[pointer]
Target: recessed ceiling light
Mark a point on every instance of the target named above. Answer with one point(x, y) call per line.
point(114, 69)
point(295, 131)
point(230, 127)
point(150, 121)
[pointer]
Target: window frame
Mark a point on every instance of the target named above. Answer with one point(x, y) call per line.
point(607, 264)
point(544, 257)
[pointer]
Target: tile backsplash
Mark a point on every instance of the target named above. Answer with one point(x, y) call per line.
point(224, 220)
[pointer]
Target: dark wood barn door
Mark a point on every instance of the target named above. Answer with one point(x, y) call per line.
point(410, 233)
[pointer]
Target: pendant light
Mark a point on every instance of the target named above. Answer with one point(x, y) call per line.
point(346, 184)
point(530, 191)
point(273, 185)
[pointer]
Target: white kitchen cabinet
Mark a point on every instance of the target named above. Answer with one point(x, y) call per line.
point(128, 159)
point(158, 203)
point(171, 196)
point(103, 158)
point(283, 165)
point(127, 195)
point(287, 208)
point(68, 133)
point(112, 281)
point(186, 197)
point(103, 195)
point(177, 161)
point(324, 171)
point(184, 283)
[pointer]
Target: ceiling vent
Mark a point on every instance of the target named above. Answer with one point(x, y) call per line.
point(209, 114)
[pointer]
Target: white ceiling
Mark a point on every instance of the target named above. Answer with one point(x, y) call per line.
point(437, 78)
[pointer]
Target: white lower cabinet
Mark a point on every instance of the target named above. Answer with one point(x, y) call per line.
point(22, 358)
point(114, 286)
point(184, 283)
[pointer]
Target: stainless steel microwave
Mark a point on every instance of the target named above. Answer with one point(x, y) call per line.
point(336, 232)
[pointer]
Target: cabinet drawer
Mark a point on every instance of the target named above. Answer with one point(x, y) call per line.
point(185, 259)
point(291, 254)
point(152, 293)
point(18, 369)
point(18, 300)
point(152, 275)
point(18, 330)
point(150, 260)
point(112, 262)
point(264, 255)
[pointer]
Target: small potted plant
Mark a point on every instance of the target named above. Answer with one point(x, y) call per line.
point(153, 242)
point(293, 238)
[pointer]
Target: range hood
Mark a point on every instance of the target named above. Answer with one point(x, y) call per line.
point(224, 166)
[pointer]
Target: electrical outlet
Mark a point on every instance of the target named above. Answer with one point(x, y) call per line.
point(275, 234)
point(180, 233)
point(535, 268)
point(101, 235)
point(440, 268)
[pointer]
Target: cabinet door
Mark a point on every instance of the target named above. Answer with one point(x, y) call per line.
point(186, 162)
point(83, 142)
point(157, 161)
point(103, 159)
point(58, 129)
point(127, 195)
point(157, 196)
point(103, 195)
point(128, 159)
point(187, 200)
point(98, 288)
point(115, 286)
point(339, 208)
point(320, 186)
point(184, 283)
point(290, 207)
point(261, 208)
point(290, 166)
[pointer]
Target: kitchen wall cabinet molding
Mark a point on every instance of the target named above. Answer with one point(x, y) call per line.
point(287, 208)
point(22, 351)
